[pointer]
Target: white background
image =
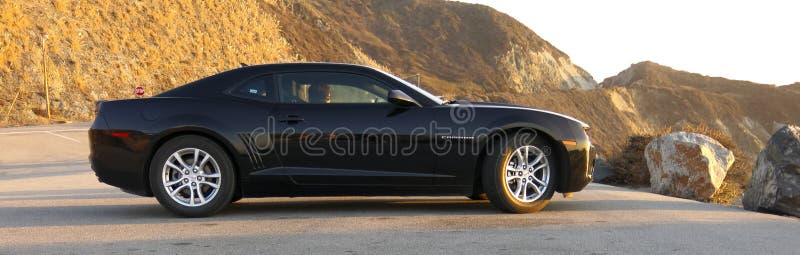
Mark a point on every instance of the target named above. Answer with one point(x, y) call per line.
point(743, 40)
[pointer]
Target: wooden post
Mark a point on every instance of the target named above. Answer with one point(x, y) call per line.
point(44, 77)
point(419, 79)
point(5, 120)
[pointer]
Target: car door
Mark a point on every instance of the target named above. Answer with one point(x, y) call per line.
point(257, 97)
point(339, 128)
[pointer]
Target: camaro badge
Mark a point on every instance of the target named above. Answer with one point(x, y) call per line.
point(450, 137)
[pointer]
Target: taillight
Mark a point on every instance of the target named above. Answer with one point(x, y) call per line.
point(120, 134)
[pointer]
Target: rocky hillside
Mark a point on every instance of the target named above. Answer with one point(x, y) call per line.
point(795, 87)
point(457, 47)
point(647, 98)
point(748, 112)
point(101, 50)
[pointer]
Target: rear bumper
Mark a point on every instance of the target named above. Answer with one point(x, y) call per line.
point(120, 162)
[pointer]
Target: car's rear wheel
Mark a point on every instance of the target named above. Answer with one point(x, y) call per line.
point(192, 176)
point(519, 176)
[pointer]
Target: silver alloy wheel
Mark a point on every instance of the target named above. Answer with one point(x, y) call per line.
point(191, 177)
point(527, 173)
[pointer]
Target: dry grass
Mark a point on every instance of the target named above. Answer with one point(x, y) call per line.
point(102, 49)
point(630, 166)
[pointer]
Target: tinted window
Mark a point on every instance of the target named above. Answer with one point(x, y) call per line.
point(260, 88)
point(331, 88)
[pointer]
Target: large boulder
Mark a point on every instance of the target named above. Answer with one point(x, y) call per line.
point(687, 165)
point(775, 185)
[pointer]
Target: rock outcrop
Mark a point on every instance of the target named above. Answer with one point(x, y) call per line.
point(687, 165)
point(775, 185)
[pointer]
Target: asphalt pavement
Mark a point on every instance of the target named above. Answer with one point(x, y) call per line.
point(51, 203)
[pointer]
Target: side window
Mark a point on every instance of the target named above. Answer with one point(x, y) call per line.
point(260, 88)
point(331, 88)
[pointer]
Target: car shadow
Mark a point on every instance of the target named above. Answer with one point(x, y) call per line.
point(355, 207)
point(266, 209)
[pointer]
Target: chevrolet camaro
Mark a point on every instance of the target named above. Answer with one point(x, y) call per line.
point(324, 129)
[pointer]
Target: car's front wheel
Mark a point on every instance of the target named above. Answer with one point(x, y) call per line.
point(192, 176)
point(519, 176)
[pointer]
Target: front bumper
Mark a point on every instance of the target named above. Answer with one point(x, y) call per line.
point(578, 159)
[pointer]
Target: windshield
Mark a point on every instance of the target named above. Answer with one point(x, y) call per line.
point(415, 88)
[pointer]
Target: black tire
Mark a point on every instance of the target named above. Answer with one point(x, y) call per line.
point(479, 196)
point(226, 183)
point(493, 173)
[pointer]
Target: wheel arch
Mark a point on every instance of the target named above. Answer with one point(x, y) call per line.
point(559, 151)
point(202, 132)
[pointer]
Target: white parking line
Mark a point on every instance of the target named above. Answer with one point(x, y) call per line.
point(65, 137)
point(52, 132)
point(42, 131)
point(70, 130)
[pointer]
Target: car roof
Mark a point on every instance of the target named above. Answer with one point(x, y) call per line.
point(310, 65)
point(213, 85)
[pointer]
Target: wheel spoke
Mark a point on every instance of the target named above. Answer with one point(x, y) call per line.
point(204, 161)
point(518, 154)
point(176, 190)
point(525, 190)
point(519, 188)
point(213, 185)
point(538, 191)
point(196, 157)
point(538, 158)
point(173, 166)
point(539, 167)
point(526, 155)
point(169, 184)
point(214, 175)
point(200, 194)
point(191, 196)
point(509, 179)
point(179, 159)
point(539, 181)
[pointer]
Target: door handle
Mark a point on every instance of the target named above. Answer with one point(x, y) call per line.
point(291, 119)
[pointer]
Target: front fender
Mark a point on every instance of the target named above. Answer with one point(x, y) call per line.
point(572, 147)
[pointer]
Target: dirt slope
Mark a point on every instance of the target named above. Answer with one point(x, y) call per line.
point(460, 47)
point(100, 50)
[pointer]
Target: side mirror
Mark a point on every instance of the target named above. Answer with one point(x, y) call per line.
point(401, 99)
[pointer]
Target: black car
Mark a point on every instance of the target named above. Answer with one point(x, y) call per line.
point(323, 129)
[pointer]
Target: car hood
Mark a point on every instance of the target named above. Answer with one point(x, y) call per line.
point(516, 107)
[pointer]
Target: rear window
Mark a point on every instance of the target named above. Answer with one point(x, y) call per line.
point(261, 88)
